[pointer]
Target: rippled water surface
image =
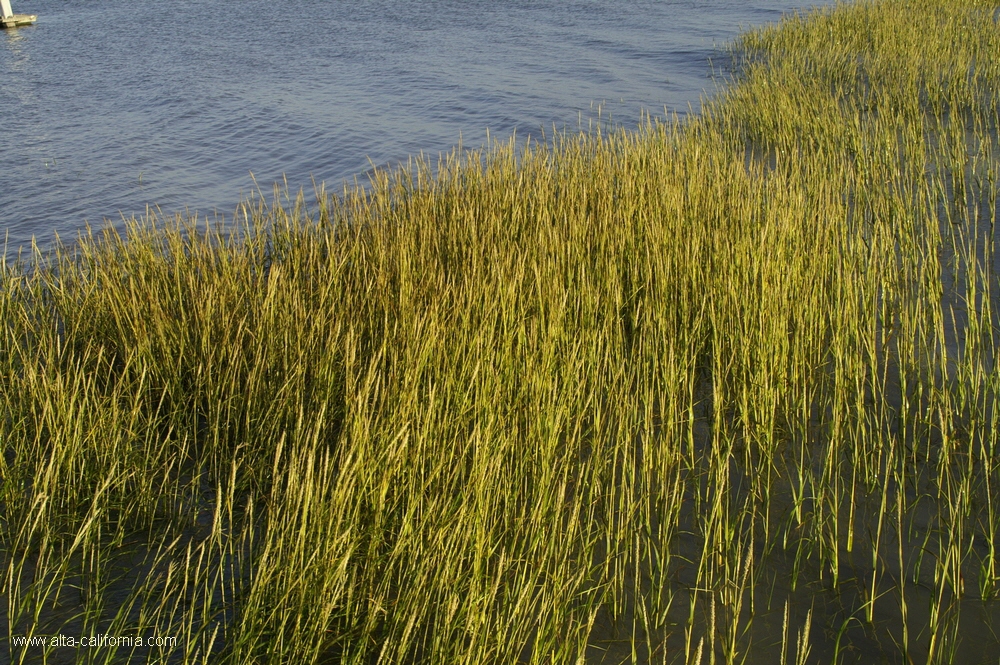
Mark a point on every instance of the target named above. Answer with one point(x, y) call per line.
point(108, 106)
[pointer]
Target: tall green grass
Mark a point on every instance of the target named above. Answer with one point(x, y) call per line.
point(718, 390)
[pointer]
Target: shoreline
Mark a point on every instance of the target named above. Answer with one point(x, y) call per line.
point(202, 162)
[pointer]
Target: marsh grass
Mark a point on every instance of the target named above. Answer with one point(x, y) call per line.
point(715, 390)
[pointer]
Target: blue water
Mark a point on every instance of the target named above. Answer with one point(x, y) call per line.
point(110, 106)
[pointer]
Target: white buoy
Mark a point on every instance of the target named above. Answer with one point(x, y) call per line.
point(12, 20)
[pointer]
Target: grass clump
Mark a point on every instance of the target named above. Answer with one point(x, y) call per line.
point(715, 390)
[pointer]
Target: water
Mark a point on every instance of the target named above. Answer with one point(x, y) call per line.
point(109, 106)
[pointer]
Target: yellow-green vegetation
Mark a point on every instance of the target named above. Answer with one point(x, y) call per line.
point(719, 390)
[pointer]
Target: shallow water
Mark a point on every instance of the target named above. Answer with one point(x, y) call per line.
point(109, 106)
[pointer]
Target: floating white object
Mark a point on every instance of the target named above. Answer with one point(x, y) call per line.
point(12, 20)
